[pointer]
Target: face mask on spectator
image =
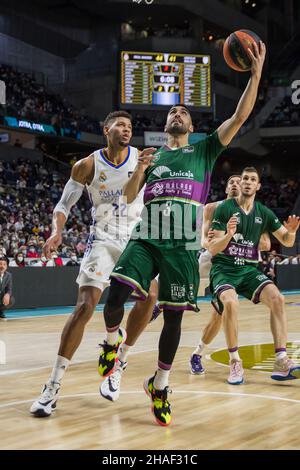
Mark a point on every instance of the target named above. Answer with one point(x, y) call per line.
point(32, 249)
point(20, 258)
point(74, 258)
point(43, 259)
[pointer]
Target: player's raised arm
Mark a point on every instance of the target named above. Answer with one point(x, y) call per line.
point(81, 174)
point(229, 128)
point(137, 180)
point(286, 234)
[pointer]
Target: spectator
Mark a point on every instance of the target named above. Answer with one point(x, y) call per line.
point(6, 298)
point(32, 252)
point(55, 261)
point(43, 262)
point(19, 261)
point(73, 260)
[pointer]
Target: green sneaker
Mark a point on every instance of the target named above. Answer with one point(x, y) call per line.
point(161, 408)
point(109, 356)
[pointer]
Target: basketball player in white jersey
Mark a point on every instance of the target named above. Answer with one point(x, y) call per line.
point(103, 173)
point(214, 325)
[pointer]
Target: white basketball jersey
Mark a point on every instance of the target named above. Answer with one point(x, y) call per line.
point(112, 217)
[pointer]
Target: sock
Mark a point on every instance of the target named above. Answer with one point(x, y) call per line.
point(162, 376)
point(200, 348)
point(59, 369)
point(112, 335)
point(234, 354)
point(280, 353)
point(123, 352)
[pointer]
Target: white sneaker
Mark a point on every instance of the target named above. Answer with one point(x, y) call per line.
point(110, 387)
point(236, 376)
point(46, 403)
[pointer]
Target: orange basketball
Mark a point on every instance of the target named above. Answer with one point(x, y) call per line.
point(235, 49)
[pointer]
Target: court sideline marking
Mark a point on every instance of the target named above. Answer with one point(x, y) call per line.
point(194, 392)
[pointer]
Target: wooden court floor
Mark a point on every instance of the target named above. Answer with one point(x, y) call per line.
point(207, 412)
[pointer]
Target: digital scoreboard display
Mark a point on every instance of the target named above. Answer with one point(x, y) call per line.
point(165, 79)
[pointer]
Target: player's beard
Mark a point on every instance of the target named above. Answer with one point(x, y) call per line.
point(234, 193)
point(176, 128)
point(248, 194)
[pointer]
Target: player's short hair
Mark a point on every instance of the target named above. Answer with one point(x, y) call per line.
point(251, 169)
point(4, 258)
point(232, 176)
point(182, 106)
point(115, 115)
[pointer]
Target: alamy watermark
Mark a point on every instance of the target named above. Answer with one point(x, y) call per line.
point(162, 220)
point(296, 93)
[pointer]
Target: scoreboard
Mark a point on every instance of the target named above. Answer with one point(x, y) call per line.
point(165, 79)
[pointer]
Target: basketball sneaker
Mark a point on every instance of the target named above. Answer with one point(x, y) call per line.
point(285, 369)
point(161, 408)
point(156, 312)
point(110, 387)
point(236, 376)
point(109, 356)
point(46, 403)
point(196, 365)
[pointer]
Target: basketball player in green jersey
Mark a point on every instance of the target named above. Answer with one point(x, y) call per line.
point(214, 325)
point(238, 225)
point(165, 242)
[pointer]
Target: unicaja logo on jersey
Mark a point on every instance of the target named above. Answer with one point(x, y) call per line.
point(185, 174)
point(160, 170)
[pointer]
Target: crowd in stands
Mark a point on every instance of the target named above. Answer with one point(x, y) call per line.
point(285, 114)
point(28, 194)
point(270, 260)
point(28, 99)
point(30, 190)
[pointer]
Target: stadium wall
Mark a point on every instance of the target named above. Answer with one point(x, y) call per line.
point(56, 287)
point(288, 277)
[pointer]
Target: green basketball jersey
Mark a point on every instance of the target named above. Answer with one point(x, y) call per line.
point(243, 248)
point(177, 186)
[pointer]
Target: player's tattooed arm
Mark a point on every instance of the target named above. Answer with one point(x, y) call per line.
point(229, 128)
point(286, 234)
point(138, 177)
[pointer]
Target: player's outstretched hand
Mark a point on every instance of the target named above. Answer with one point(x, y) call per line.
point(292, 224)
point(231, 225)
point(257, 56)
point(145, 158)
point(51, 244)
